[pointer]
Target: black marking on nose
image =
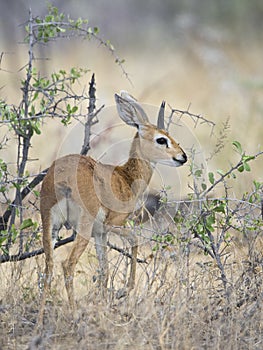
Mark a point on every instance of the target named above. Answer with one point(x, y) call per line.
point(181, 160)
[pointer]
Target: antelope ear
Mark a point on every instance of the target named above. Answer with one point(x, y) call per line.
point(160, 121)
point(128, 97)
point(130, 111)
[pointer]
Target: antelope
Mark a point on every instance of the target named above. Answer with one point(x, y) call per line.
point(90, 197)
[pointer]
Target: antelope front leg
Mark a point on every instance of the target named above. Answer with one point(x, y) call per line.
point(40, 317)
point(131, 281)
point(69, 265)
point(131, 237)
point(133, 241)
point(101, 250)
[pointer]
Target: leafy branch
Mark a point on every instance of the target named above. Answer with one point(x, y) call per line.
point(56, 25)
point(211, 223)
point(241, 165)
point(42, 97)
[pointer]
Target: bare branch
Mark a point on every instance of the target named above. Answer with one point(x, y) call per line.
point(27, 255)
point(196, 118)
point(90, 116)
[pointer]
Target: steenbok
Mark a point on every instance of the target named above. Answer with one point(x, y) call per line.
point(90, 197)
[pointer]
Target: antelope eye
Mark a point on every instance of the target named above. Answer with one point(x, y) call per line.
point(162, 141)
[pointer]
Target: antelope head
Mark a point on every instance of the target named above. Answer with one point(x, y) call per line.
point(155, 144)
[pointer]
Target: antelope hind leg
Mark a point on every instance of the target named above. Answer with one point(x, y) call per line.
point(69, 265)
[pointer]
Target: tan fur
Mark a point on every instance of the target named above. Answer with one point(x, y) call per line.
point(89, 196)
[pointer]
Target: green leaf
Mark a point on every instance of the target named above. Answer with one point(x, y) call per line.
point(204, 186)
point(95, 30)
point(246, 166)
point(3, 165)
point(36, 127)
point(210, 221)
point(211, 178)
point(198, 173)
point(36, 193)
point(257, 185)
point(247, 158)
point(74, 109)
point(3, 189)
point(220, 208)
point(61, 30)
point(35, 97)
point(220, 172)
point(238, 146)
point(26, 223)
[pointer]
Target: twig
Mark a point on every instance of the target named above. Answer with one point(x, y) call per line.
point(123, 252)
point(195, 117)
point(27, 255)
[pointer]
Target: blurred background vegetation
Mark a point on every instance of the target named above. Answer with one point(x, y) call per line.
point(132, 21)
point(204, 53)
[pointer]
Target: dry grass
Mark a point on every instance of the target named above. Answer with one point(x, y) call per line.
point(178, 302)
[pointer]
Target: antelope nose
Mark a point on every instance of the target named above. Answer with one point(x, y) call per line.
point(182, 158)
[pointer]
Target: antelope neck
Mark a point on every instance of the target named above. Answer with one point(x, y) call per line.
point(136, 166)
